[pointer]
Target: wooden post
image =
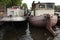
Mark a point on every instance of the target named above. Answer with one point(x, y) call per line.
point(34, 11)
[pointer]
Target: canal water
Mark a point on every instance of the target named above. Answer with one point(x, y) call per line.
point(22, 31)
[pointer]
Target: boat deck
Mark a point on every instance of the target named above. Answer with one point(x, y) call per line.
point(8, 19)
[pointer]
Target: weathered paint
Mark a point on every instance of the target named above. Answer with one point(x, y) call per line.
point(48, 21)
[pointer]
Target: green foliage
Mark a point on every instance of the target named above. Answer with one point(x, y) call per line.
point(11, 2)
point(24, 5)
point(57, 7)
point(19, 2)
point(16, 2)
point(5, 2)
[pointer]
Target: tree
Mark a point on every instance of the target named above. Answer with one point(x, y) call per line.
point(9, 3)
point(19, 2)
point(16, 2)
point(57, 8)
point(24, 5)
point(5, 2)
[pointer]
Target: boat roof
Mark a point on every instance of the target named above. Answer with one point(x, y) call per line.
point(46, 3)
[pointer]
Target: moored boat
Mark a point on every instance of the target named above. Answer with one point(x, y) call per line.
point(43, 16)
point(15, 16)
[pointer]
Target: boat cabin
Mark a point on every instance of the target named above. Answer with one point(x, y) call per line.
point(42, 8)
point(15, 11)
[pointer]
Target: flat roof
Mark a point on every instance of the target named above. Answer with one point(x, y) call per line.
point(46, 3)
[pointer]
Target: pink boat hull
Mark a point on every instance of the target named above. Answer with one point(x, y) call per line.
point(42, 21)
point(47, 21)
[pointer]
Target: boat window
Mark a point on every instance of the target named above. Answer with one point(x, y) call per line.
point(50, 6)
point(42, 5)
point(11, 12)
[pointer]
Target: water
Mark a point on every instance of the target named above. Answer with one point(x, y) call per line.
point(21, 31)
point(27, 36)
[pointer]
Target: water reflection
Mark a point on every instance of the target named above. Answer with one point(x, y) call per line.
point(40, 33)
point(1, 34)
point(21, 31)
point(13, 30)
point(27, 36)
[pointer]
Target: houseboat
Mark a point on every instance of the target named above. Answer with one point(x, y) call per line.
point(14, 15)
point(42, 15)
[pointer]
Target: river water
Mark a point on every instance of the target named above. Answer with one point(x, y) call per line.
point(22, 31)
